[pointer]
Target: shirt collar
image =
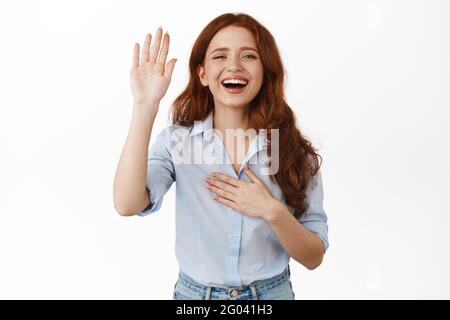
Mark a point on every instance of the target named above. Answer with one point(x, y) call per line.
point(258, 144)
point(203, 125)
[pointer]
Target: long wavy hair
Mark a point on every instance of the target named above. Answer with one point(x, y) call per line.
point(298, 159)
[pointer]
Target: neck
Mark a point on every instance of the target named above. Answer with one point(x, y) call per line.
point(230, 118)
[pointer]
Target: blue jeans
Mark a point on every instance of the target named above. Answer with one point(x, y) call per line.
point(278, 287)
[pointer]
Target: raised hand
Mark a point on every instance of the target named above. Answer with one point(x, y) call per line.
point(150, 76)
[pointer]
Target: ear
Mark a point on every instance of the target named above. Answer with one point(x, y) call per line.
point(202, 75)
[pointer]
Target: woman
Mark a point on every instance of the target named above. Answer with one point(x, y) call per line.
point(238, 220)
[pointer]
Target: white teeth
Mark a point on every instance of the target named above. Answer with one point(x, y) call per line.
point(235, 81)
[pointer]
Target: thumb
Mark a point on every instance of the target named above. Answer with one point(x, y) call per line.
point(169, 68)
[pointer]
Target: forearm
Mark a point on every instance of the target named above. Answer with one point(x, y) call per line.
point(130, 180)
point(301, 244)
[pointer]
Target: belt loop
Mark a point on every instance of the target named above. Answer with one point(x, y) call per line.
point(255, 295)
point(208, 293)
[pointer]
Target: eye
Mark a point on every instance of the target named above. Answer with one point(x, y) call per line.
point(219, 57)
point(250, 56)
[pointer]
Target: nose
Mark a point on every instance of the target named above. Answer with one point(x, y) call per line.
point(234, 64)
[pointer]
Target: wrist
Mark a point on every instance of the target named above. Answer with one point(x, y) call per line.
point(146, 108)
point(150, 105)
point(276, 209)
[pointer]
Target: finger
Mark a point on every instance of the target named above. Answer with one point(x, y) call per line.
point(223, 194)
point(226, 202)
point(155, 46)
point(253, 177)
point(227, 179)
point(146, 48)
point(169, 68)
point(222, 185)
point(136, 55)
point(164, 50)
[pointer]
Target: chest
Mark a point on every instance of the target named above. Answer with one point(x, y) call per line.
point(237, 150)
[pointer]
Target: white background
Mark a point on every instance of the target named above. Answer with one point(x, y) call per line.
point(368, 80)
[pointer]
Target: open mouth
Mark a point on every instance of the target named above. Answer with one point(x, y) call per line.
point(233, 85)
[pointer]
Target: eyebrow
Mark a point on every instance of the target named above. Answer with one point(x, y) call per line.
point(228, 49)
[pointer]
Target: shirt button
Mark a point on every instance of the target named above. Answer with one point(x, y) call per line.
point(234, 292)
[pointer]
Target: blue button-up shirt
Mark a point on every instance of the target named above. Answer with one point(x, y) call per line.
point(216, 245)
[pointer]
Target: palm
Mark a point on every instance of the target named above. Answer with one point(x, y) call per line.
point(150, 76)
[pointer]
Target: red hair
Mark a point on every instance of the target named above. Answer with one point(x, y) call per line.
point(298, 159)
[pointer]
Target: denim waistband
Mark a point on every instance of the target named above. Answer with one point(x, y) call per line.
point(264, 284)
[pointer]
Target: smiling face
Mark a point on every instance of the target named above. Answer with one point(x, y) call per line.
point(232, 68)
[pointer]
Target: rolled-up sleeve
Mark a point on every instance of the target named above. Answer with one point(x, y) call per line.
point(160, 172)
point(315, 218)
